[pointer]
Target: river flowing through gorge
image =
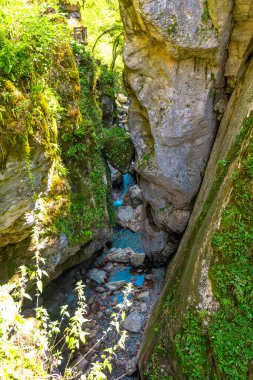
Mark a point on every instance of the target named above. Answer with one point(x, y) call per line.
point(105, 280)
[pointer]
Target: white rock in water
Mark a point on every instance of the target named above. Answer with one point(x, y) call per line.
point(97, 275)
point(128, 217)
point(133, 322)
point(121, 255)
point(115, 285)
point(127, 256)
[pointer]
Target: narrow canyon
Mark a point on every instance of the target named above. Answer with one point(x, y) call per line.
point(126, 170)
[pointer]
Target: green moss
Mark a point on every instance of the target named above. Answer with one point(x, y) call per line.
point(231, 328)
point(118, 148)
point(191, 347)
point(108, 82)
point(230, 332)
point(222, 170)
point(172, 28)
point(54, 111)
point(206, 14)
point(217, 345)
point(90, 200)
point(146, 157)
point(158, 367)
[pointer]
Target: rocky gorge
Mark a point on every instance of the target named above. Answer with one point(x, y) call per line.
point(151, 188)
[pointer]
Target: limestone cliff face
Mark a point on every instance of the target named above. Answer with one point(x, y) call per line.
point(175, 56)
point(201, 327)
point(53, 179)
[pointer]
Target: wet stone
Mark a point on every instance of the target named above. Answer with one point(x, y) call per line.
point(91, 301)
point(97, 275)
point(137, 259)
point(142, 296)
point(100, 289)
point(108, 267)
point(133, 322)
point(115, 285)
point(102, 296)
point(144, 307)
point(131, 367)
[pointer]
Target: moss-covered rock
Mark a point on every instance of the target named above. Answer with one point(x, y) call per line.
point(203, 323)
point(54, 176)
point(119, 149)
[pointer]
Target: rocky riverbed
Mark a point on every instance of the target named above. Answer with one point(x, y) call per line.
point(105, 281)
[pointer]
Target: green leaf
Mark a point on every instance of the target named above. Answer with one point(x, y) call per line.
point(40, 286)
point(27, 296)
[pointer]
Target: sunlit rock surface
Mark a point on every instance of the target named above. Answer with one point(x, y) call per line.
point(174, 64)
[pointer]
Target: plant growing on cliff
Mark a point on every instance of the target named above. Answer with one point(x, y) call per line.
point(206, 14)
point(229, 334)
point(118, 148)
point(33, 348)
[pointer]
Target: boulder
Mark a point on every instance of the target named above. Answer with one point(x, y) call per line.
point(131, 367)
point(142, 296)
point(100, 289)
point(97, 275)
point(133, 197)
point(120, 255)
point(116, 176)
point(133, 322)
point(127, 256)
point(108, 267)
point(137, 259)
point(171, 219)
point(118, 148)
point(115, 285)
point(144, 307)
point(128, 217)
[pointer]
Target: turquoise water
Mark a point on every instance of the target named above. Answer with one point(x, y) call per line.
point(128, 181)
point(118, 203)
point(126, 275)
point(124, 238)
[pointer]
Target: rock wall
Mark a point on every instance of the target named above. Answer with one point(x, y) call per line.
point(54, 186)
point(201, 327)
point(175, 57)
